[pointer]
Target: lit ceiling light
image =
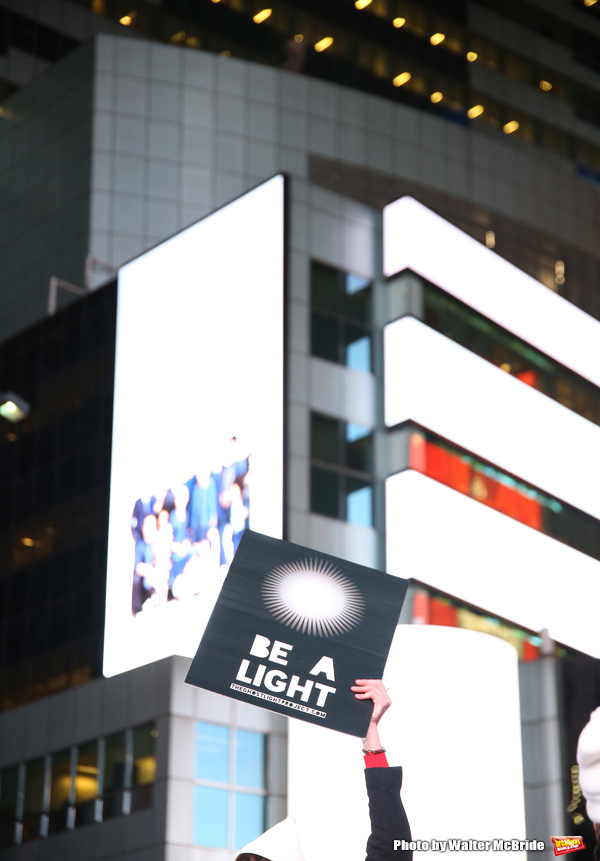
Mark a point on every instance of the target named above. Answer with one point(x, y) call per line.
point(323, 44)
point(559, 271)
point(402, 78)
point(506, 366)
point(399, 22)
point(589, 2)
point(510, 127)
point(28, 542)
point(437, 38)
point(216, 1)
point(472, 56)
point(126, 20)
point(298, 38)
point(12, 407)
point(192, 42)
point(546, 86)
point(436, 97)
point(475, 111)
point(262, 16)
point(362, 4)
point(178, 37)
point(490, 239)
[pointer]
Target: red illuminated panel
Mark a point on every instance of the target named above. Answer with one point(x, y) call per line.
point(441, 613)
point(528, 377)
point(450, 469)
point(420, 610)
point(530, 652)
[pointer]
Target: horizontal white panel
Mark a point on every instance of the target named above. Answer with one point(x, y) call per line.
point(475, 677)
point(480, 556)
point(416, 238)
point(454, 393)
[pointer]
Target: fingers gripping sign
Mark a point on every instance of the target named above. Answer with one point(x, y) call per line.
point(373, 689)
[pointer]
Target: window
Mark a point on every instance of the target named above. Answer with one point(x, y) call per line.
point(115, 761)
point(33, 799)
point(75, 786)
point(144, 766)
point(9, 784)
point(341, 470)
point(60, 790)
point(87, 783)
point(230, 792)
point(341, 317)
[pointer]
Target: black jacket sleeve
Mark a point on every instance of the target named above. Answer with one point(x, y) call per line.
point(388, 818)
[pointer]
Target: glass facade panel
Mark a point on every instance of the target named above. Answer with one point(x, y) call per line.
point(212, 752)
point(60, 790)
point(325, 438)
point(144, 766)
point(34, 799)
point(359, 448)
point(249, 818)
point(249, 759)
point(87, 786)
point(324, 286)
point(357, 347)
point(324, 492)
point(341, 316)
point(210, 817)
point(324, 337)
point(359, 502)
point(9, 784)
point(344, 491)
point(115, 761)
point(358, 298)
point(230, 815)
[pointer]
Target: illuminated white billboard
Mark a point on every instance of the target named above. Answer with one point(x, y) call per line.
point(442, 386)
point(480, 556)
point(197, 452)
point(416, 238)
point(452, 691)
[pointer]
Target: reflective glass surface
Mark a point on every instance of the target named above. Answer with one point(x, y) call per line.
point(9, 781)
point(210, 816)
point(249, 817)
point(249, 759)
point(359, 502)
point(34, 799)
point(60, 789)
point(212, 752)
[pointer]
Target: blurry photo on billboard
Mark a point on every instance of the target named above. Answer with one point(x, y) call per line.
point(197, 452)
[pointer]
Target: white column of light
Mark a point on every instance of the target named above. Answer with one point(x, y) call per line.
point(491, 561)
point(455, 729)
point(416, 238)
point(437, 383)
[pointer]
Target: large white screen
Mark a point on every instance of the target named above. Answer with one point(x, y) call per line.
point(452, 692)
point(463, 548)
point(418, 239)
point(199, 361)
point(452, 392)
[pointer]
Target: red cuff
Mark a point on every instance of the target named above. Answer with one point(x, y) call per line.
point(376, 760)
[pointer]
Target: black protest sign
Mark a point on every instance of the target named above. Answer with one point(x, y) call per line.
point(293, 629)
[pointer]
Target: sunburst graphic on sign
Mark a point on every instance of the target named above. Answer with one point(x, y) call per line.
point(313, 597)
